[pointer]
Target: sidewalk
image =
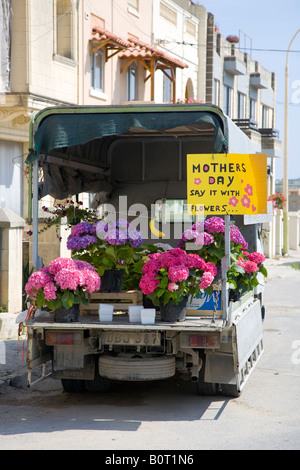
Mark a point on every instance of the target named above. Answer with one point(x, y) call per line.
point(283, 266)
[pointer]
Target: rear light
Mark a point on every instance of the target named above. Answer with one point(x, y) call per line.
point(55, 338)
point(200, 340)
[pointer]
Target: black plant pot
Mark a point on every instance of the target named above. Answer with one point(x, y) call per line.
point(111, 281)
point(67, 315)
point(234, 295)
point(172, 312)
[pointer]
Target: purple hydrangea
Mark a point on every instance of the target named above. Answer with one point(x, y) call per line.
point(80, 243)
point(118, 233)
point(237, 237)
point(214, 224)
point(135, 238)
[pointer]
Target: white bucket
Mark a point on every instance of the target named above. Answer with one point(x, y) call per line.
point(134, 312)
point(148, 316)
point(105, 312)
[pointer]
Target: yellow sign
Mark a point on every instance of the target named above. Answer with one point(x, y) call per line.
point(227, 184)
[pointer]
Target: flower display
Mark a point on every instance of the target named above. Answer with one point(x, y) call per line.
point(105, 245)
point(278, 200)
point(172, 275)
point(63, 283)
point(208, 238)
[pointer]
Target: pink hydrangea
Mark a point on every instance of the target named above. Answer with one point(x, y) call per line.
point(250, 267)
point(36, 281)
point(60, 263)
point(172, 286)
point(257, 258)
point(195, 261)
point(152, 266)
point(61, 275)
point(212, 268)
point(50, 291)
point(178, 273)
point(148, 284)
point(206, 280)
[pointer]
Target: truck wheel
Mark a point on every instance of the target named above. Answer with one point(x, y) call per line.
point(99, 384)
point(206, 388)
point(230, 390)
point(73, 386)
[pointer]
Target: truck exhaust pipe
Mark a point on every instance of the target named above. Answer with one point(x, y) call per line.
point(197, 363)
point(195, 373)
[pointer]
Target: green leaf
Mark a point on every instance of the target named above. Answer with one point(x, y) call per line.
point(164, 282)
point(67, 299)
point(232, 284)
point(160, 292)
point(239, 269)
point(110, 251)
point(54, 304)
point(209, 290)
point(264, 271)
point(107, 261)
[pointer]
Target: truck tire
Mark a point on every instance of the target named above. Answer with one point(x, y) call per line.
point(99, 384)
point(230, 390)
point(137, 367)
point(206, 388)
point(73, 386)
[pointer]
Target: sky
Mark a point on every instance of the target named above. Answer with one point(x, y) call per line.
point(271, 24)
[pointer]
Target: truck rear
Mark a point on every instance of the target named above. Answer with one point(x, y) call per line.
point(134, 160)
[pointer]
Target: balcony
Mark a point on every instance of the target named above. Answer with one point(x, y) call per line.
point(257, 82)
point(270, 143)
point(250, 128)
point(233, 66)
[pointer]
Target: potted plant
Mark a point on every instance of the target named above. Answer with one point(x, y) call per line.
point(62, 286)
point(171, 276)
point(243, 273)
point(73, 211)
point(109, 246)
point(208, 240)
point(278, 200)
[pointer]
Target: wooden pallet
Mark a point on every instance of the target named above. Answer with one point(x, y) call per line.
point(120, 300)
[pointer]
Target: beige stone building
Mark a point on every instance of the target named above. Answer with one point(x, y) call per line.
point(40, 67)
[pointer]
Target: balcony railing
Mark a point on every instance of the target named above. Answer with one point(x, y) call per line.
point(251, 124)
point(246, 124)
point(269, 132)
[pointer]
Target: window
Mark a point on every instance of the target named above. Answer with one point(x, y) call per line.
point(168, 90)
point(132, 83)
point(216, 98)
point(266, 117)
point(241, 105)
point(167, 13)
point(227, 100)
point(97, 66)
point(252, 110)
point(190, 28)
point(64, 29)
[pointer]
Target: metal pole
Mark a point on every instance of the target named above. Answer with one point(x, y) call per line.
point(225, 267)
point(37, 261)
point(285, 158)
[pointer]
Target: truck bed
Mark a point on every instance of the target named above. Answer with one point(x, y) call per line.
point(121, 321)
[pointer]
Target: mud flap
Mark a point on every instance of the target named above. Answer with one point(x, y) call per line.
point(86, 372)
